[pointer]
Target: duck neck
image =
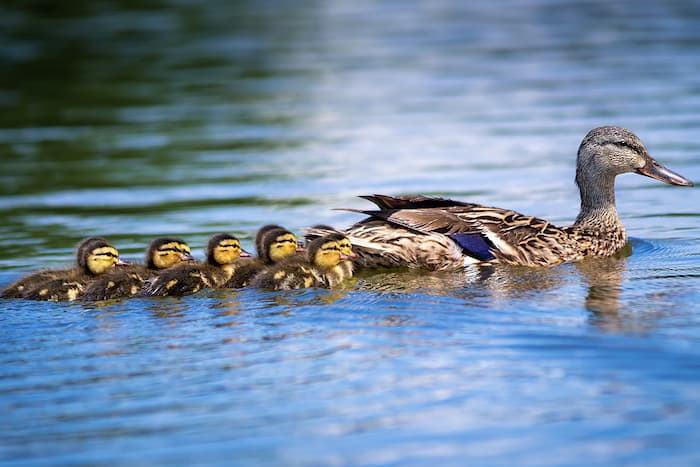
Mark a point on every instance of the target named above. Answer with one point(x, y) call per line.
point(598, 212)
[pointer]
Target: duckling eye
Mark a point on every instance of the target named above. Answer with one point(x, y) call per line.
point(108, 254)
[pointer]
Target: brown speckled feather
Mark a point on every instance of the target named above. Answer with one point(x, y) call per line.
point(186, 279)
point(121, 283)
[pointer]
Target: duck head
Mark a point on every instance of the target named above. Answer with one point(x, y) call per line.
point(326, 252)
point(609, 151)
point(165, 252)
point(259, 247)
point(224, 249)
point(278, 244)
point(96, 255)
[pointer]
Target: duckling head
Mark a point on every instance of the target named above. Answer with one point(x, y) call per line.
point(326, 252)
point(96, 255)
point(346, 247)
point(259, 247)
point(608, 151)
point(224, 249)
point(278, 244)
point(165, 252)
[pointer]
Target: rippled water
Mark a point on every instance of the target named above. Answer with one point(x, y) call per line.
point(136, 119)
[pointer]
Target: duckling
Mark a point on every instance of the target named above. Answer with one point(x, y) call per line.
point(161, 254)
point(188, 278)
point(320, 268)
point(95, 257)
point(19, 288)
point(273, 244)
point(346, 265)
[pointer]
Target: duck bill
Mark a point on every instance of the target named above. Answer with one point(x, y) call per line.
point(655, 170)
point(245, 254)
point(186, 257)
point(121, 262)
point(351, 256)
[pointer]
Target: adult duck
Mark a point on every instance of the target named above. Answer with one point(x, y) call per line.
point(442, 234)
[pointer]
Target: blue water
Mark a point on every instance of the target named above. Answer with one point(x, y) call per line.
point(138, 119)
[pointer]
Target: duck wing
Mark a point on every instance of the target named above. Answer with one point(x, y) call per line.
point(482, 232)
point(412, 202)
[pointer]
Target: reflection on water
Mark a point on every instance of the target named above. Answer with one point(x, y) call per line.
point(135, 119)
point(604, 277)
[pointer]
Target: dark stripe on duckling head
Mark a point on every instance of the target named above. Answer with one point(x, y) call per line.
point(279, 239)
point(222, 240)
point(260, 235)
point(86, 247)
point(101, 259)
point(474, 245)
point(328, 242)
point(157, 244)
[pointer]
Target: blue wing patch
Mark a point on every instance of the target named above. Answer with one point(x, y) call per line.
point(474, 245)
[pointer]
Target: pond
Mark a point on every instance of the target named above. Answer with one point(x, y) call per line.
point(132, 120)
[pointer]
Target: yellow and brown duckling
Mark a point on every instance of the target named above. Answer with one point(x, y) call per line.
point(273, 244)
point(347, 265)
point(321, 267)
point(184, 279)
point(95, 257)
point(19, 288)
point(162, 253)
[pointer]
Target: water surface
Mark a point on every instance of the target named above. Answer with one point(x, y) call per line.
point(137, 119)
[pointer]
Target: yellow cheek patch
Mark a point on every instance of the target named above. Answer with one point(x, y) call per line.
point(328, 255)
point(102, 258)
point(227, 252)
point(283, 247)
point(170, 254)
